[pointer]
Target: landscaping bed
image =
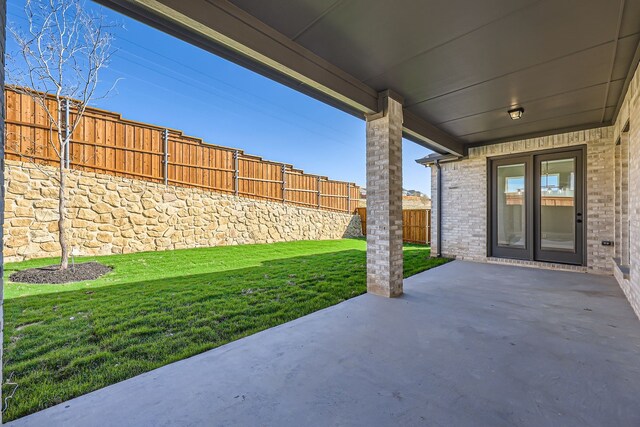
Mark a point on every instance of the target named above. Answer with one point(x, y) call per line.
point(52, 274)
point(155, 308)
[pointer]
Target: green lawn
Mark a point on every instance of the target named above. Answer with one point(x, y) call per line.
point(154, 308)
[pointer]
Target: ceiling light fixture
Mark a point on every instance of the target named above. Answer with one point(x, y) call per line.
point(516, 113)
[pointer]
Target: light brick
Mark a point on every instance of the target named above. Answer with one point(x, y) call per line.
point(464, 204)
point(384, 201)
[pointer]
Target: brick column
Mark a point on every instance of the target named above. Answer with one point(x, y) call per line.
point(623, 243)
point(435, 208)
point(384, 197)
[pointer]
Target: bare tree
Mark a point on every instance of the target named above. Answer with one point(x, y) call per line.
point(61, 50)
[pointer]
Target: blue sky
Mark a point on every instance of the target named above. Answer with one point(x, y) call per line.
point(170, 83)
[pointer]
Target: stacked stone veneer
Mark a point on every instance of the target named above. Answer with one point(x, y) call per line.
point(464, 196)
point(112, 215)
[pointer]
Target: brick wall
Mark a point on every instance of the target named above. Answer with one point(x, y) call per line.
point(629, 212)
point(384, 201)
point(613, 195)
point(464, 203)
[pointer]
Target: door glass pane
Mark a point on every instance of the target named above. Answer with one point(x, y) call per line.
point(511, 208)
point(557, 204)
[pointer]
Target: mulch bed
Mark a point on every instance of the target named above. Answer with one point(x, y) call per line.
point(52, 275)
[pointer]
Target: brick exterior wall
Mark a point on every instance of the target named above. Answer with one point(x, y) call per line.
point(384, 201)
point(612, 197)
point(464, 201)
point(629, 212)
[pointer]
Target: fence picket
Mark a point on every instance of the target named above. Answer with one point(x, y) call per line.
point(416, 225)
point(106, 143)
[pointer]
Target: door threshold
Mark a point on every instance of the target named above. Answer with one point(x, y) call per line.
point(537, 264)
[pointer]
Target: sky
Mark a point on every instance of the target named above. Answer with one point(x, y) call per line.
point(164, 81)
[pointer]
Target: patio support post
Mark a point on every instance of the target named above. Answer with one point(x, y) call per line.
point(384, 197)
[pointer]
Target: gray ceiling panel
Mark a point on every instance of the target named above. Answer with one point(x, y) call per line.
point(459, 64)
point(615, 91)
point(609, 114)
point(560, 105)
point(545, 32)
point(288, 17)
point(584, 119)
point(631, 18)
point(624, 55)
point(541, 81)
point(366, 37)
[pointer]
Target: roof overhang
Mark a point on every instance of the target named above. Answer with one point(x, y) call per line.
point(226, 30)
point(459, 65)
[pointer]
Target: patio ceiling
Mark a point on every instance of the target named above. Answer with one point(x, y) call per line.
point(458, 64)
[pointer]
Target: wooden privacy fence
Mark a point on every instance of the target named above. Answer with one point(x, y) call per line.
point(106, 143)
point(416, 225)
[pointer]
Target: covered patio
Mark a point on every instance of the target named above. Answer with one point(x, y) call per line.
point(467, 344)
point(474, 82)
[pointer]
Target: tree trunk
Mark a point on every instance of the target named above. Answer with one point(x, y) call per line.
point(62, 211)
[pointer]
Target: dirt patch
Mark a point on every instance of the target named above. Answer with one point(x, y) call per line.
point(52, 275)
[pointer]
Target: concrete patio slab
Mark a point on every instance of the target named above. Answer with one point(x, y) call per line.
point(467, 345)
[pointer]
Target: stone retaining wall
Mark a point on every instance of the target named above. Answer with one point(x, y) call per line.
point(112, 215)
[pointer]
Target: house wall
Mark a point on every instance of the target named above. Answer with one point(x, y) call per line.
point(627, 130)
point(464, 197)
point(111, 215)
point(612, 196)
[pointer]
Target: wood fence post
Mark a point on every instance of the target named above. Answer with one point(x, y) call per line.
point(67, 137)
point(236, 171)
point(429, 226)
point(284, 183)
point(129, 155)
point(165, 160)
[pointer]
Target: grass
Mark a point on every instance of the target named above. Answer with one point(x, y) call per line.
point(155, 308)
